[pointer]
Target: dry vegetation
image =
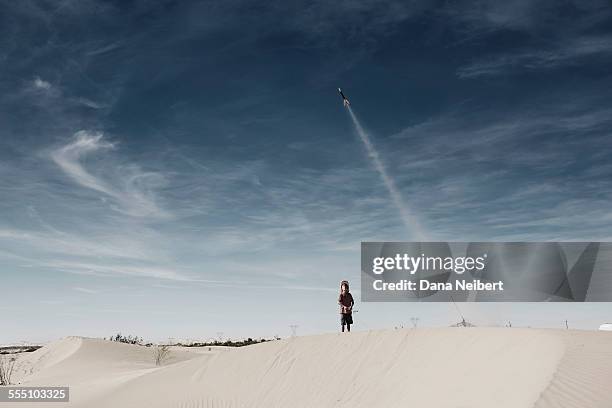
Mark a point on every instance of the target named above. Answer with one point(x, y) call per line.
point(161, 354)
point(7, 364)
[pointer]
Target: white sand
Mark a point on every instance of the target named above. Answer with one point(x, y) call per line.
point(451, 367)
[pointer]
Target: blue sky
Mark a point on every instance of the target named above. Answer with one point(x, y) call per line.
point(178, 169)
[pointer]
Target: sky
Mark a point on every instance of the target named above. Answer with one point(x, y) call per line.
point(187, 170)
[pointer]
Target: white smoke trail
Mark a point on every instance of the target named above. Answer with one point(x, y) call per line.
point(407, 217)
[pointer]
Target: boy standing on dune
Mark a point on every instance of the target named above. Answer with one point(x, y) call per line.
point(346, 302)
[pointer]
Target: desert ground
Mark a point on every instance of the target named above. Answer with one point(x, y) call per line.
point(434, 368)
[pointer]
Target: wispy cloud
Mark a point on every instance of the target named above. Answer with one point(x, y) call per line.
point(118, 270)
point(69, 159)
point(476, 189)
point(95, 244)
point(567, 54)
point(104, 49)
point(89, 103)
point(41, 84)
point(85, 290)
point(131, 188)
point(479, 19)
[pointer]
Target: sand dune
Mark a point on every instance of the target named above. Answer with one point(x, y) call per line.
point(450, 367)
point(91, 367)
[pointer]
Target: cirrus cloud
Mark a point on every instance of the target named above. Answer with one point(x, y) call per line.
point(130, 189)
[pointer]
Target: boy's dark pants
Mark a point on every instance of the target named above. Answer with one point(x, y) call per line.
point(346, 319)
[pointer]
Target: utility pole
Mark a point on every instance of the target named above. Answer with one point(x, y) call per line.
point(293, 329)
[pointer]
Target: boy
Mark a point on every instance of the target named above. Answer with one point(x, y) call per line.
point(345, 300)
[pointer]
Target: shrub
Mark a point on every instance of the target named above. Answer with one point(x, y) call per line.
point(6, 370)
point(161, 354)
point(230, 343)
point(120, 338)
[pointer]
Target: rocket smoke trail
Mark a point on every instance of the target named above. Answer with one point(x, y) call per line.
point(409, 220)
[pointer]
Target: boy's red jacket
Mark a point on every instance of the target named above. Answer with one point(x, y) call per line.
point(345, 300)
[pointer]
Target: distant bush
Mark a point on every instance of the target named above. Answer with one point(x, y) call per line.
point(6, 370)
point(228, 343)
point(18, 349)
point(120, 338)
